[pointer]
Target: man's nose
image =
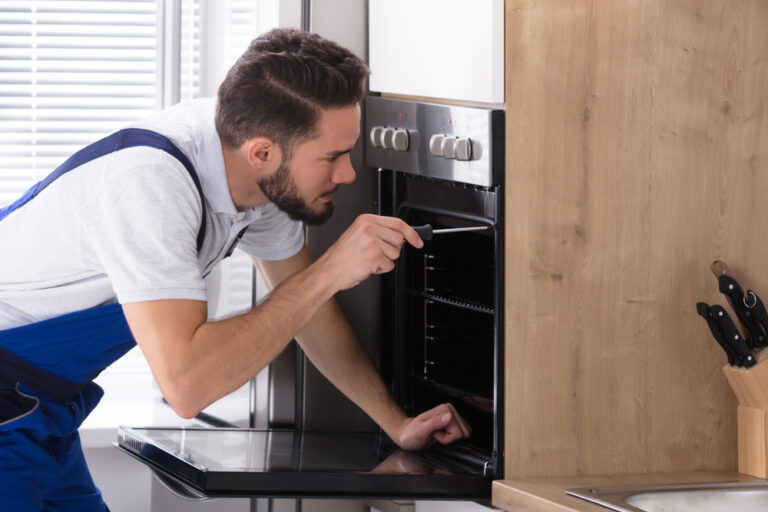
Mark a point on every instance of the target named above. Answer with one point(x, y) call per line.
point(344, 173)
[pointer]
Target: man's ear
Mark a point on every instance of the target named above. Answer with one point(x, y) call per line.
point(262, 153)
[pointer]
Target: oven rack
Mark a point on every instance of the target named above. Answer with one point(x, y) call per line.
point(478, 402)
point(482, 308)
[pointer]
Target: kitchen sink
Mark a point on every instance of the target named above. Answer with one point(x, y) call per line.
point(704, 497)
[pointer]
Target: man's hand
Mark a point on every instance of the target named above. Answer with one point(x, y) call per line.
point(407, 463)
point(369, 246)
point(441, 424)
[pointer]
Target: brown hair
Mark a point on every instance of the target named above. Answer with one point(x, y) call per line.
point(279, 86)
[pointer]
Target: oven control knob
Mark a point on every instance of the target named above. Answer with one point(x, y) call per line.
point(401, 140)
point(463, 148)
point(387, 136)
point(436, 144)
point(376, 136)
point(449, 147)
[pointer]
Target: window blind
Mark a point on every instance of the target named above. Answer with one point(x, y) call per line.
point(189, 49)
point(70, 72)
point(248, 19)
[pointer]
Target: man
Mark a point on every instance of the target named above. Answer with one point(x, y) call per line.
point(114, 247)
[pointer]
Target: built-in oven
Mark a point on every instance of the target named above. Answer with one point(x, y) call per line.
point(442, 166)
point(441, 313)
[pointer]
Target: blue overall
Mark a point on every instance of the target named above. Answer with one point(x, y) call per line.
point(46, 373)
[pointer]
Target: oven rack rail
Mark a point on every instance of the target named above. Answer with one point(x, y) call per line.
point(482, 308)
point(481, 403)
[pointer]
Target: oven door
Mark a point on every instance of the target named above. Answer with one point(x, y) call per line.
point(204, 463)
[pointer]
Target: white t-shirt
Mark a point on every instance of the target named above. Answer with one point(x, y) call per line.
point(124, 227)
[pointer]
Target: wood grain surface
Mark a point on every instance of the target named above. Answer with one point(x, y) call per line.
point(637, 140)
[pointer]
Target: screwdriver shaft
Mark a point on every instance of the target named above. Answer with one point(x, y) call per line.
point(426, 231)
point(458, 230)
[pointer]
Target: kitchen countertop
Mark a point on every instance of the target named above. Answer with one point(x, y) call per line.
point(548, 494)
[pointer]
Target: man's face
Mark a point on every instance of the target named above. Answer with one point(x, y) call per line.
point(303, 187)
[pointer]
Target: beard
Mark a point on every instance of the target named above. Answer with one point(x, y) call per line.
point(281, 189)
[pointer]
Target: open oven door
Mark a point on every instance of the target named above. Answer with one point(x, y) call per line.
point(200, 463)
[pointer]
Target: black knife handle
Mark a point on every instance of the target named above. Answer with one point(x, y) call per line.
point(702, 308)
point(761, 316)
point(425, 231)
point(732, 336)
point(753, 331)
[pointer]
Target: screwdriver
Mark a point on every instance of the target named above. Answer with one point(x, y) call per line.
point(426, 231)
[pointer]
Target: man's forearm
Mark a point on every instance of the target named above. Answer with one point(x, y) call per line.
point(331, 345)
point(196, 362)
point(199, 362)
point(329, 342)
point(262, 333)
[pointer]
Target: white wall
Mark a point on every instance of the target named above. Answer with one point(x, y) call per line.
point(451, 49)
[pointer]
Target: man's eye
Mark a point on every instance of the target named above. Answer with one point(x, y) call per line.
point(333, 158)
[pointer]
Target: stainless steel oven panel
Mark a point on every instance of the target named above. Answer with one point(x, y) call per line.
point(416, 123)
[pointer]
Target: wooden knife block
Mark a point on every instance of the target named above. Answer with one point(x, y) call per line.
point(750, 385)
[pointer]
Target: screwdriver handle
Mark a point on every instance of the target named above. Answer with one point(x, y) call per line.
point(425, 231)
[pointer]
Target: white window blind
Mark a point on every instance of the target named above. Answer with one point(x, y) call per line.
point(70, 72)
point(248, 19)
point(189, 58)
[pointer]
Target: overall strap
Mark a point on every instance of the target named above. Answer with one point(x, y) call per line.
point(60, 355)
point(17, 370)
point(127, 138)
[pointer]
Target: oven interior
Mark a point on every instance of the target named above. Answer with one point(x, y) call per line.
point(446, 301)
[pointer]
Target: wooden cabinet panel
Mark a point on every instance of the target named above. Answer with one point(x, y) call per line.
point(637, 140)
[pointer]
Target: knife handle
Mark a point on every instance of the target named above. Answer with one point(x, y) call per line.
point(761, 316)
point(744, 309)
point(732, 336)
point(719, 268)
point(702, 308)
point(425, 231)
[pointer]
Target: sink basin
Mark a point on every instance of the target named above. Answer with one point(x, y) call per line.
point(707, 497)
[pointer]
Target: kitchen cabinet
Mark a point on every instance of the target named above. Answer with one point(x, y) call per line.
point(636, 143)
point(449, 49)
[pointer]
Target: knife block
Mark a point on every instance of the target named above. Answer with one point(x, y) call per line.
point(750, 385)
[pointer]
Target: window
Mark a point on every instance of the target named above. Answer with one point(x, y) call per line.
point(70, 72)
point(189, 50)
